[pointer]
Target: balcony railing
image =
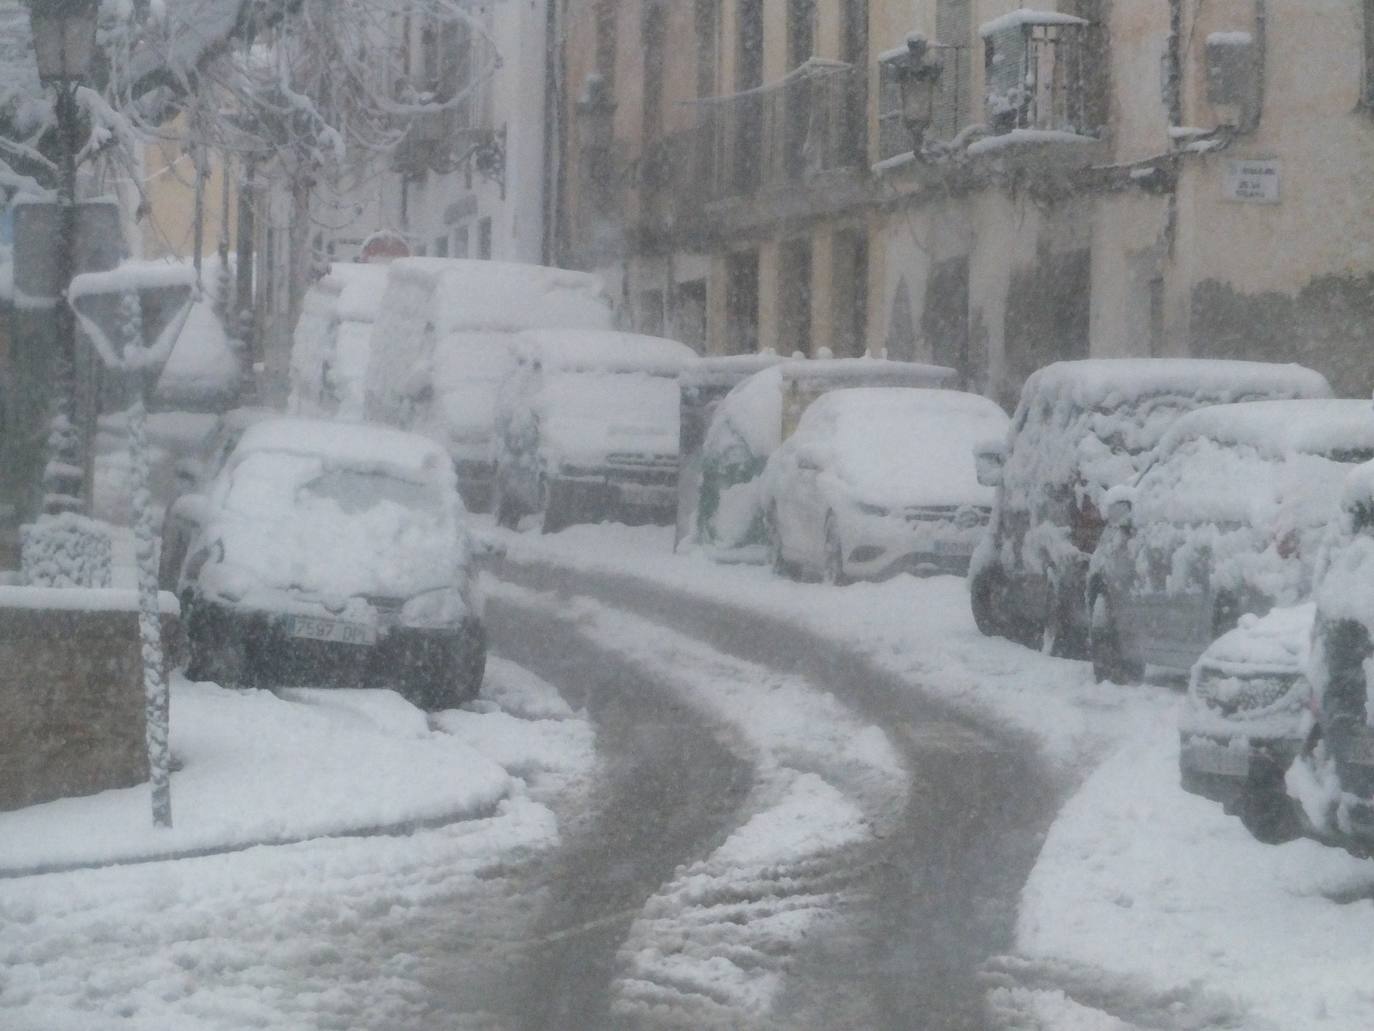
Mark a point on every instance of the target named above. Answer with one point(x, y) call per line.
point(1041, 76)
point(811, 122)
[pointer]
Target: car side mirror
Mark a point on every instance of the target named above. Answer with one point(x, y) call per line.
point(989, 460)
point(187, 473)
point(809, 460)
point(484, 547)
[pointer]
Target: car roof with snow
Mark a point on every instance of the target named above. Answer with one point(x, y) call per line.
point(724, 370)
point(929, 433)
point(580, 350)
point(1106, 383)
point(1316, 426)
point(896, 403)
point(471, 294)
point(350, 444)
point(359, 287)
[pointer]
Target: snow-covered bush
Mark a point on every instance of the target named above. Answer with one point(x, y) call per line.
point(66, 550)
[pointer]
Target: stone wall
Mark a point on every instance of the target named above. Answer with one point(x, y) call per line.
point(71, 699)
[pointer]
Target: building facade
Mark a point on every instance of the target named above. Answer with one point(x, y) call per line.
point(466, 181)
point(980, 183)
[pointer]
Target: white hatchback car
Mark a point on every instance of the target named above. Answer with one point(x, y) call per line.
point(876, 481)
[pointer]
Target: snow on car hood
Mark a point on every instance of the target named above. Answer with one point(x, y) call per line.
point(299, 522)
point(585, 417)
point(905, 446)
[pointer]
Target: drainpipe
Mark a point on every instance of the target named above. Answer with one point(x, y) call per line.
point(1252, 116)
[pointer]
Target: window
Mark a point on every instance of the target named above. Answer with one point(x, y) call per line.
point(1039, 76)
point(707, 26)
point(746, 121)
point(460, 242)
point(849, 299)
point(484, 239)
point(1368, 91)
point(689, 314)
point(441, 246)
point(794, 297)
point(651, 124)
point(953, 28)
point(742, 302)
point(606, 42)
point(650, 312)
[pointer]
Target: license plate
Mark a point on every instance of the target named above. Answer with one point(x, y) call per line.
point(642, 494)
point(1206, 757)
point(336, 630)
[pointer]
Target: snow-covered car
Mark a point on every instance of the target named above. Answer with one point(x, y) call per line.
point(1081, 428)
point(880, 480)
point(193, 475)
point(1242, 720)
point(449, 329)
point(702, 387)
point(331, 346)
point(334, 554)
point(1227, 519)
point(752, 422)
point(1333, 776)
point(587, 429)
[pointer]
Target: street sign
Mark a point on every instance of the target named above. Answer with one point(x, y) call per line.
point(1252, 180)
point(37, 231)
point(164, 297)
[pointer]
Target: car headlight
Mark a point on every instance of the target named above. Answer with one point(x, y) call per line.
point(226, 581)
point(872, 510)
point(442, 608)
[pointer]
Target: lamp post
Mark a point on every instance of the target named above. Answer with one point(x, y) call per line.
point(64, 48)
point(918, 79)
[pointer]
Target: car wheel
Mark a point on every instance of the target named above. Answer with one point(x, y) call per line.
point(774, 537)
point(986, 590)
point(507, 511)
point(217, 653)
point(1267, 812)
point(447, 678)
point(1104, 645)
point(832, 571)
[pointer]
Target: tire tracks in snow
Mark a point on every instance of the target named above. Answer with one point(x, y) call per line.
point(714, 943)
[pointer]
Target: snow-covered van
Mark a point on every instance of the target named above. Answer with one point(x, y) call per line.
point(752, 422)
point(587, 429)
point(444, 342)
point(331, 346)
point(1227, 519)
point(1081, 428)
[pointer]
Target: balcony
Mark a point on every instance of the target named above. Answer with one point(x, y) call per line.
point(773, 138)
point(1044, 73)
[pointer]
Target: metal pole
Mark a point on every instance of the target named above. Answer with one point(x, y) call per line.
point(67, 476)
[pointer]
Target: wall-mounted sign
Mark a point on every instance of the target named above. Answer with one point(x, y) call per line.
point(1252, 180)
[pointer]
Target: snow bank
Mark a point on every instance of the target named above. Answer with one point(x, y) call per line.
point(252, 768)
point(1141, 881)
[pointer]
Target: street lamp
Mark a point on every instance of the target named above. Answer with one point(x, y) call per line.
point(64, 49)
point(918, 79)
point(64, 39)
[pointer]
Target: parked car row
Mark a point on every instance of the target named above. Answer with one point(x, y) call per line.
point(1214, 519)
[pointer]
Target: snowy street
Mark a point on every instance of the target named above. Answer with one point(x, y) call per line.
point(728, 822)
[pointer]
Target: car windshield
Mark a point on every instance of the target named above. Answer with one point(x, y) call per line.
point(356, 491)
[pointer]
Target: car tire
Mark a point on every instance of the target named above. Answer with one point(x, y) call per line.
point(216, 653)
point(450, 678)
point(1268, 813)
point(832, 568)
point(985, 589)
point(773, 535)
point(507, 512)
point(1104, 645)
